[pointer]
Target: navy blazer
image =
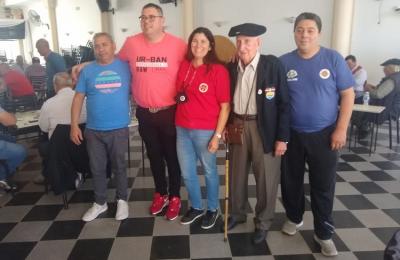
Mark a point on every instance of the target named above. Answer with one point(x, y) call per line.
point(272, 99)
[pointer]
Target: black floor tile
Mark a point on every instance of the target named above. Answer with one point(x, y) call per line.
point(386, 165)
point(111, 210)
point(391, 156)
point(369, 255)
point(88, 249)
point(397, 195)
point(368, 187)
point(25, 198)
point(355, 202)
point(295, 257)
point(394, 214)
point(145, 194)
point(5, 228)
point(339, 179)
point(242, 245)
point(342, 166)
point(384, 233)
point(43, 212)
point(170, 247)
point(308, 236)
point(136, 227)
point(82, 196)
point(15, 251)
point(378, 175)
point(352, 158)
point(360, 150)
point(279, 219)
point(345, 219)
point(64, 230)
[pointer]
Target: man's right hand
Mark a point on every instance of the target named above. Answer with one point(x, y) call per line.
point(76, 70)
point(76, 135)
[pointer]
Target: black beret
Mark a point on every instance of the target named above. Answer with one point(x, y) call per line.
point(247, 29)
point(391, 62)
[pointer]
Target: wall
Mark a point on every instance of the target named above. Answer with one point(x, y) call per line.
point(372, 42)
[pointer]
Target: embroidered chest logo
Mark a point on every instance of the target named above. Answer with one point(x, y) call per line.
point(203, 87)
point(291, 75)
point(324, 73)
point(269, 93)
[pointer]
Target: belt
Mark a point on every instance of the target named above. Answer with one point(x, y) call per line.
point(156, 109)
point(245, 117)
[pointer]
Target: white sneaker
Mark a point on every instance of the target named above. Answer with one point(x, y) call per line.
point(94, 211)
point(122, 210)
point(328, 248)
point(290, 228)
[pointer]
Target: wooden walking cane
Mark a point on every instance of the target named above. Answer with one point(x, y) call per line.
point(226, 192)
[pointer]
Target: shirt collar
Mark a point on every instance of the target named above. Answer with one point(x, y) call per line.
point(253, 64)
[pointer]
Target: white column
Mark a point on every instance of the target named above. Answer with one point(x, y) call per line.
point(52, 4)
point(342, 25)
point(105, 18)
point(188, 18)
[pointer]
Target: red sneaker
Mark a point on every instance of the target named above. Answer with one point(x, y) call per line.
point(159, 203)
point(173, 208)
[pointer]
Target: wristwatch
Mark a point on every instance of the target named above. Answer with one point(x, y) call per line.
point(218, 135)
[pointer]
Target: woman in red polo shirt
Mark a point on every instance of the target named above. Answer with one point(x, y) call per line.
point(203, 108)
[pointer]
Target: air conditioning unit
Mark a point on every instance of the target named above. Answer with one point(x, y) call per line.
point(168, 1)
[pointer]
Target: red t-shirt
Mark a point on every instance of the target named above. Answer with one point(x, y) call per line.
point(154, 67)
point(205, 91)
point(18, 84)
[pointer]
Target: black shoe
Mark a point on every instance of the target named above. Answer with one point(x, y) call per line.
point(8, 187)
point(259, 235)
point(191, 215)
point(232, 222)
point(209, 219)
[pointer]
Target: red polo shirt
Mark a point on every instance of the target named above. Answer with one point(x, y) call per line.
point(206, 89)
point(18, 84)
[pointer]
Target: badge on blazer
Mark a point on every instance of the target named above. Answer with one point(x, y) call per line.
point(203, 87)
point(324, 73)
point(269, 92)
point(292, 75)
point(259, 92)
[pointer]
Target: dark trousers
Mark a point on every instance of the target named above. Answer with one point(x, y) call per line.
point(102, 145)
point(313, 149)
point(159, 135)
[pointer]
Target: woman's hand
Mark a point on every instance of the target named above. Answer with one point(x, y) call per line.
point(213, 144)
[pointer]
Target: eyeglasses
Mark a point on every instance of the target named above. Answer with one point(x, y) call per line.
point(151, 18)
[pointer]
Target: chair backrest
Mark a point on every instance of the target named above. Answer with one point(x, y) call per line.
point(38, 82)
point(25, 103)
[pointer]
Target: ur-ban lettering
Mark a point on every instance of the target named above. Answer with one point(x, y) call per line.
point(154, 63)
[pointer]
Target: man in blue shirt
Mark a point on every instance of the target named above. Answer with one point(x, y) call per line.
point(317, 79)
point(105, 83)
point(54, 63)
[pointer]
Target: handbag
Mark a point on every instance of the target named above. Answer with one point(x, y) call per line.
point(236, 129)
point(235, 133)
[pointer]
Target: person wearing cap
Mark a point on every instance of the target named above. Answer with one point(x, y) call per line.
point(317, 77)
point(360, 77)
point(261, 104)
point(386, 93)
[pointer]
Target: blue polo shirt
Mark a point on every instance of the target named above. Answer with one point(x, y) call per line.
point(314, 88)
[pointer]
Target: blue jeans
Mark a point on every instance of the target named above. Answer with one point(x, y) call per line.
point(13, 154)
point(192, 145)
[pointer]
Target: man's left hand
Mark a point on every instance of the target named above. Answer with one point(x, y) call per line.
point(280, 148)
point(338, 139)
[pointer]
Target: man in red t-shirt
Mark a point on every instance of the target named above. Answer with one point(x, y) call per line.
point(16, 82)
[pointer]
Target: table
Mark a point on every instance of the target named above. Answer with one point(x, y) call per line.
point(376, 110)
point(27, 122)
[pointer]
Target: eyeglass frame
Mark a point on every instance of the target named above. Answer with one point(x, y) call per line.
point(151, 18)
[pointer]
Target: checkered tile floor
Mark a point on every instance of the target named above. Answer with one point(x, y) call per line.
point(34, 225)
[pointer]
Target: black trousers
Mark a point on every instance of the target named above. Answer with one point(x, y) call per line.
point(159, 135)
point(315, 150)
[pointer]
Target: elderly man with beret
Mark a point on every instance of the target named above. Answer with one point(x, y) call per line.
point(260, 104)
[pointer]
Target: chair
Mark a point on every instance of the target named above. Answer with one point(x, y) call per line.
point(24, 103)
point(64, 160)
point(39, 86)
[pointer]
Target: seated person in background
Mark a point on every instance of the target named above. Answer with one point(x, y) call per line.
point(20, 64)
point(57, 110)
point(35, 70)
point(360, 78)
point(386, 93)
point(11, 153)
point(17, 83)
